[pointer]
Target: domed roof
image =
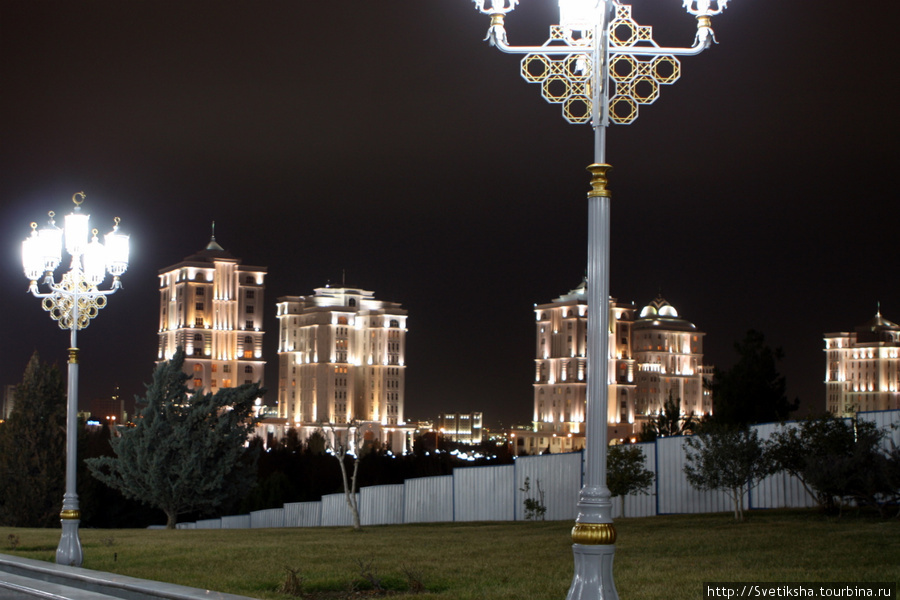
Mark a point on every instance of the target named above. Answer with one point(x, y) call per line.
point(659, 307)
point(662, 315)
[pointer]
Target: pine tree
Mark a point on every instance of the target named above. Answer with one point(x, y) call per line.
point(33, 450)
point(753, 390)
point(186, 453)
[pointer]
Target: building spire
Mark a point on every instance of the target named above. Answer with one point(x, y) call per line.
point(878, 310)
point(213, 244)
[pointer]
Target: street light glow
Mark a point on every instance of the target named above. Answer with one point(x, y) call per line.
point(73, 301)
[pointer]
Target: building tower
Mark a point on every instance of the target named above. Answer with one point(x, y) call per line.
point(341, 360)
point(212, 306)
point(862, 369)
point(668, 354)
point(651, 355)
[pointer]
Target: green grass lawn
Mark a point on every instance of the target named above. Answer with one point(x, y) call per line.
point(656, 557)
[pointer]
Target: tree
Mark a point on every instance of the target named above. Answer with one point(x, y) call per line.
point(185, 453)
point(33, 449)
point(838, 460)
point(752, 391)
point(795, 449)
point(625, 472)
point(730, 459)
point(344, 447)
point(669, 422)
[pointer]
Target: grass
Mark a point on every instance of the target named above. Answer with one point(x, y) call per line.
point(656, 557)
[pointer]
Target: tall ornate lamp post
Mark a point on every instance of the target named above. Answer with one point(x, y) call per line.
point(73, 302)
point(600, 65)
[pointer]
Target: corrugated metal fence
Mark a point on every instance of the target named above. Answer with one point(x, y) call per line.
point(497, 493)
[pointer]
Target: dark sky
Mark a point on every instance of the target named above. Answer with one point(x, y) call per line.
point(385, 141)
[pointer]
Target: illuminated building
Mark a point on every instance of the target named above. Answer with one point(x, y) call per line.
point(212, 306)
point(465, 428)
point(862, 369)
point(341, 360)
point(652, 354)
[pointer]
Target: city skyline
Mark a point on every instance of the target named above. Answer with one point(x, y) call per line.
point(389, 148)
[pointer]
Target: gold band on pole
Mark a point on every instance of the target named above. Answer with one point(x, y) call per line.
point(594, 534)
point(73, 356)
point(599, 180)
point(70, 514)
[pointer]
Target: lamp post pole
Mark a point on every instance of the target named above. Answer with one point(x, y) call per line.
point(73, 302)
point(600, 65)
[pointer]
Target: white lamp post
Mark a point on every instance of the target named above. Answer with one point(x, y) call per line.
point(73, 302)
point(600, 65)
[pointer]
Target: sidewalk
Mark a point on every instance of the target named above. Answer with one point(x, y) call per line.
point(27, 579)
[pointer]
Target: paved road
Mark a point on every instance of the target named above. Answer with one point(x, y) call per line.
point(6, 594)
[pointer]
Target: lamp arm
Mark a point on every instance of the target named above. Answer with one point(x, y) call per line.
point(704, 39)
point(56, 290)
point(699, 46)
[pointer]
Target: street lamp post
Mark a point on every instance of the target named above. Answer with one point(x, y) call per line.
point(600, 65)
point(73, 302)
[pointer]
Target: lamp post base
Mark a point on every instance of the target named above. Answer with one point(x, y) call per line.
point(593, 578)
point(69, 550)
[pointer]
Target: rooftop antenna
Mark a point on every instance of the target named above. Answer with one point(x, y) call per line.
point(878, 311)
point(343, 277)
point(213, 238)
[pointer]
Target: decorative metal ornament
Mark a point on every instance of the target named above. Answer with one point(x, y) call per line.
point(636, 65)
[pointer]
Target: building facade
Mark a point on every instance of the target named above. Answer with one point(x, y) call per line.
point(212, 306)
point(862, 370)
point(342, 360)
point(465, 428)
point(653, 353)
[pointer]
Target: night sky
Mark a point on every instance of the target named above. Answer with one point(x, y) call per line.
point(383, 144)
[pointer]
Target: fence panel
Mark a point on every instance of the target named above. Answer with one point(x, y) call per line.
point(236, 522)
point(559, 478)
point(674, 493)
point(335, 512)
point(428, 499)
point(381, 505)
point(485, 493)
point(885, 419)
point(264, 519)
point(209, 524)
point(303, 514)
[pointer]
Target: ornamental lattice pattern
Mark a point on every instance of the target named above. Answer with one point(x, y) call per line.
point(634, 80)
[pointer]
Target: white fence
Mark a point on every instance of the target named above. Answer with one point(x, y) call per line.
point(496, 493)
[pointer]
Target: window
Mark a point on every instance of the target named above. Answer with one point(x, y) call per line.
point(200, 291)
point(250, 309)
point(250, 294)
point(248, 341)
point(248, 369)
point(198, 322)
point(226, 368)
point(198, 383)
point(395, 323)
point(198, 306)
point(198, 337)
point(248, 325)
